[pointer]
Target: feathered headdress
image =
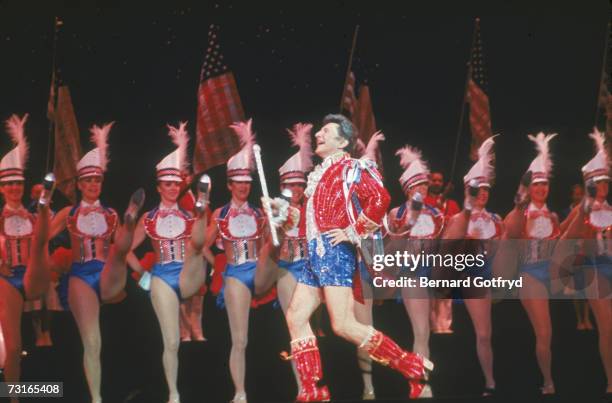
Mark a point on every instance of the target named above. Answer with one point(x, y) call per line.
point(240, 165)
point(483, 171)
point(416, 170)
point(14, 162)
point(541, 166)
point(175, 163)
point(99, 137)
point(598, 168)
point(295, 168)
point(94, 163)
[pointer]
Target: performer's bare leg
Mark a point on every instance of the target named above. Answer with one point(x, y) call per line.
point(2, 348)
point(193, 273)
point(267, 267)
point(441, 315)
point(602, 310)
point(11, 307)
point(238, 303)
point(363, 313)
point(418, 309)
point(285, 286)
point(480, 313)
point(166, 306)
point(40, 321)
point(114, 275)
point(583, 320)
point(538, 311)
point(184, 323)
point(86, 311)
point(305, 301)
point(38, 274)
point(195, 317)
point(339, 305)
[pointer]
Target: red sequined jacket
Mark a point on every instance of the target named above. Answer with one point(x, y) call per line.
point(344, 193)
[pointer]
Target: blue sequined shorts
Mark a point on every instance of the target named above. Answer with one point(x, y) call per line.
point(538, 270)
point(602, 265)
point(16, 280)
point(295, 268)
point(170, 273)
point(89, 272)
point(335, 268)
point(245, 273)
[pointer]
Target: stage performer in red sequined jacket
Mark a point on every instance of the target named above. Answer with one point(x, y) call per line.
point(346, 202)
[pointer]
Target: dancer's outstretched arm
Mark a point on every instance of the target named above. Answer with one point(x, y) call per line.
point(139, 237)
point(211, 235)
point(58, 223)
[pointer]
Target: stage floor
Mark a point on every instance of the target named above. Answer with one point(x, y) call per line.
point(132, 370)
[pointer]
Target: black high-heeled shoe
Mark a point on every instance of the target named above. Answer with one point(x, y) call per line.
point(489, 392)
point(548, 390)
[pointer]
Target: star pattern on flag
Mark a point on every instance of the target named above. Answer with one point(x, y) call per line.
point(477, 63)
point(214, 64)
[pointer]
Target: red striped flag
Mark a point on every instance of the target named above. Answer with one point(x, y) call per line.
point(349, 101)
point(604, 107)
point(67, 143)
point(360, 111)
point(480, 114)
point(219, 106)
point(365, 121)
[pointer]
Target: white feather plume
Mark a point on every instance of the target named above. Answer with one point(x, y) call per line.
point(99, 137)
point(301, 137)
point(15, 129)
point(487, 157)
point(246, 138)
point(541, 141)
point(600, 140)
point(408, 155)
point(180, 138)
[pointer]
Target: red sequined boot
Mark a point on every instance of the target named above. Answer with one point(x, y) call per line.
point(413, 366)
point(305, 353)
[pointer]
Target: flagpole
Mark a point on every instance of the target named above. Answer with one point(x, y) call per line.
point(603, 71)
point(465, 92)
point(350, 64)
point(57, 24)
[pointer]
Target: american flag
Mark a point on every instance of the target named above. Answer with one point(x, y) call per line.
point(67, 142)
point(604, 101)
point(604, 104)
point(218, 106)
point(480, 114)
point(349, 101)
point(360, 111)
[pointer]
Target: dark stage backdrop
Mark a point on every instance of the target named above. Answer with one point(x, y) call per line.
point(140, 67)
